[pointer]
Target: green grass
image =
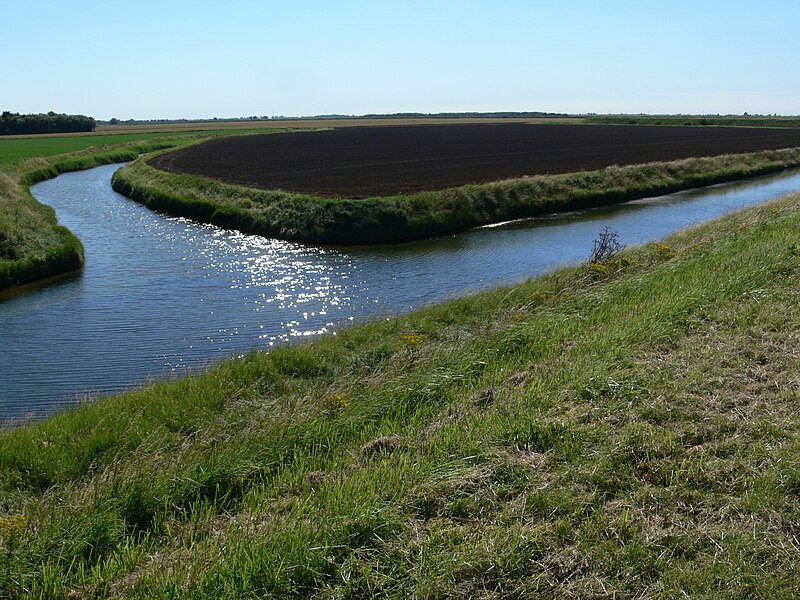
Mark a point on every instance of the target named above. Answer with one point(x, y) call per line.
point(399, 218)
point(14, 150)
point(17, 149)
point(630, 434)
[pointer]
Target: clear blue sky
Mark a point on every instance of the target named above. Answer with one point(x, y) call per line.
point(173, 59)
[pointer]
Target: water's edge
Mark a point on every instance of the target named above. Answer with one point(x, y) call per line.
point(159, 295)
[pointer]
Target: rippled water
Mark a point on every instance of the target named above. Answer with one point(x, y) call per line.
point(159, 295)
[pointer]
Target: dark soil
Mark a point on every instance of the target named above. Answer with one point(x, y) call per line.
point(380, 161)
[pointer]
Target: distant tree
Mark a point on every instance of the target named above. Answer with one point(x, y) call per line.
point(15, 123)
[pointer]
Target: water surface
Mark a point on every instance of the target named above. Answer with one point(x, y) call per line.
point(159, 295)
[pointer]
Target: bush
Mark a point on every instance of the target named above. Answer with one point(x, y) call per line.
point(606, 247)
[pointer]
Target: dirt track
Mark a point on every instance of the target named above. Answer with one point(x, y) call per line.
point(381, 161)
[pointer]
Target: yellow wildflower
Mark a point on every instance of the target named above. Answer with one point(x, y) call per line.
point(412, 339)
point(334, 403)
point(11, 527)
point(599, 268)
point(665, 251)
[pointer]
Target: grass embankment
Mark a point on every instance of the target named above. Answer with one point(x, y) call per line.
point(306, 218)
point(32, 244)
point(630, 428)
point(694, 121)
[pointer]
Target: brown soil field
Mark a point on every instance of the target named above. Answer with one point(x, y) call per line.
point(381, 161)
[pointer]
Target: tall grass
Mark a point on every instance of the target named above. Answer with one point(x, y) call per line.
point(631, 432)
point(399, 218)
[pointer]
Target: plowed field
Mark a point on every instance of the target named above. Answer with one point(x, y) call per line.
point(381, 161)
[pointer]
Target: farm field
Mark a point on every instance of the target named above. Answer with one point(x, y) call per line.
point(382, 161)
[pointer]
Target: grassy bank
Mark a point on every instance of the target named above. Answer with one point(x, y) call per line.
point(400, 218)
point(625, 428)
point(32, 244)
point(694, 121)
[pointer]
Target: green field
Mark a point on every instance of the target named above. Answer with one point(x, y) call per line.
point(17, 149)
point(32, 244)
point(624, 429)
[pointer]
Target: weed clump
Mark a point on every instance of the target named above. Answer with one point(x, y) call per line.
point(539, 296)
point(605, 256)
point(598, 268)
point(605, 248)
point(386, 444)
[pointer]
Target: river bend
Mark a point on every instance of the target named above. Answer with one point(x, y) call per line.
point(160, 295)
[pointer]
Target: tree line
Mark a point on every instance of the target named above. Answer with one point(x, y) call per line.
point(15, 123)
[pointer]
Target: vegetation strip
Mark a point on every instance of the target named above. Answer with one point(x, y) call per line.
point(696, 121)
point(399, 218)
point(630, 430)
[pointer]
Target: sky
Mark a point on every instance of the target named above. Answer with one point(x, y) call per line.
point(202, 59)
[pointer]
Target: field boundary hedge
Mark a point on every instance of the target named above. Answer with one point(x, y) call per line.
point(696, 121)
point(400, 218)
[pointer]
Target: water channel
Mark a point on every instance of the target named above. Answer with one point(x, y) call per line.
point(160, 295)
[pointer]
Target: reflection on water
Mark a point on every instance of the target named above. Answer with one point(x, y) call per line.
point(160, 295)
